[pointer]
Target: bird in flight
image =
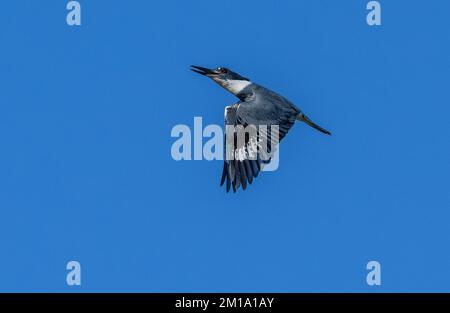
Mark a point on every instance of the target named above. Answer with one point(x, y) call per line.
point(257, 106)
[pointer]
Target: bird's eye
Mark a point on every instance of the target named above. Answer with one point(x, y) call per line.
point(222, 70)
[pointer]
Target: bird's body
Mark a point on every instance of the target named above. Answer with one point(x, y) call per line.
point(258, 107)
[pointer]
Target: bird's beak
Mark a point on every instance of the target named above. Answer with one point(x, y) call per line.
point(203, 70)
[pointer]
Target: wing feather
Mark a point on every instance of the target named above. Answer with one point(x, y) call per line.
point(263, 107)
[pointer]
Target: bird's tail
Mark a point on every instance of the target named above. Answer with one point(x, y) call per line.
point(303, 118)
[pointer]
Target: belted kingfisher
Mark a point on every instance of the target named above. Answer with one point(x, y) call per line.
point(257, 106)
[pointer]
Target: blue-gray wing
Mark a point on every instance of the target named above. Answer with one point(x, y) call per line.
point(239, 167)
point(265, 107)
point(261, 109)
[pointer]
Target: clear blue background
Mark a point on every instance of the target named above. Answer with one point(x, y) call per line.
point(86, 172)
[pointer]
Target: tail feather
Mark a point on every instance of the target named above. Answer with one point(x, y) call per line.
point(303, 118)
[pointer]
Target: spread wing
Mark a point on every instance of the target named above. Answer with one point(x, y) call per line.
point(239, 169)
point(262, 110)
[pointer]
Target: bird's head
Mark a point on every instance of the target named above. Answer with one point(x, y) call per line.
point(231, 81)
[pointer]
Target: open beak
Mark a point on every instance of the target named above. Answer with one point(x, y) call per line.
point(202, 70)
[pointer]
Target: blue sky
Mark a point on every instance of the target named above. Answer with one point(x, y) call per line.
point(86, 172)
